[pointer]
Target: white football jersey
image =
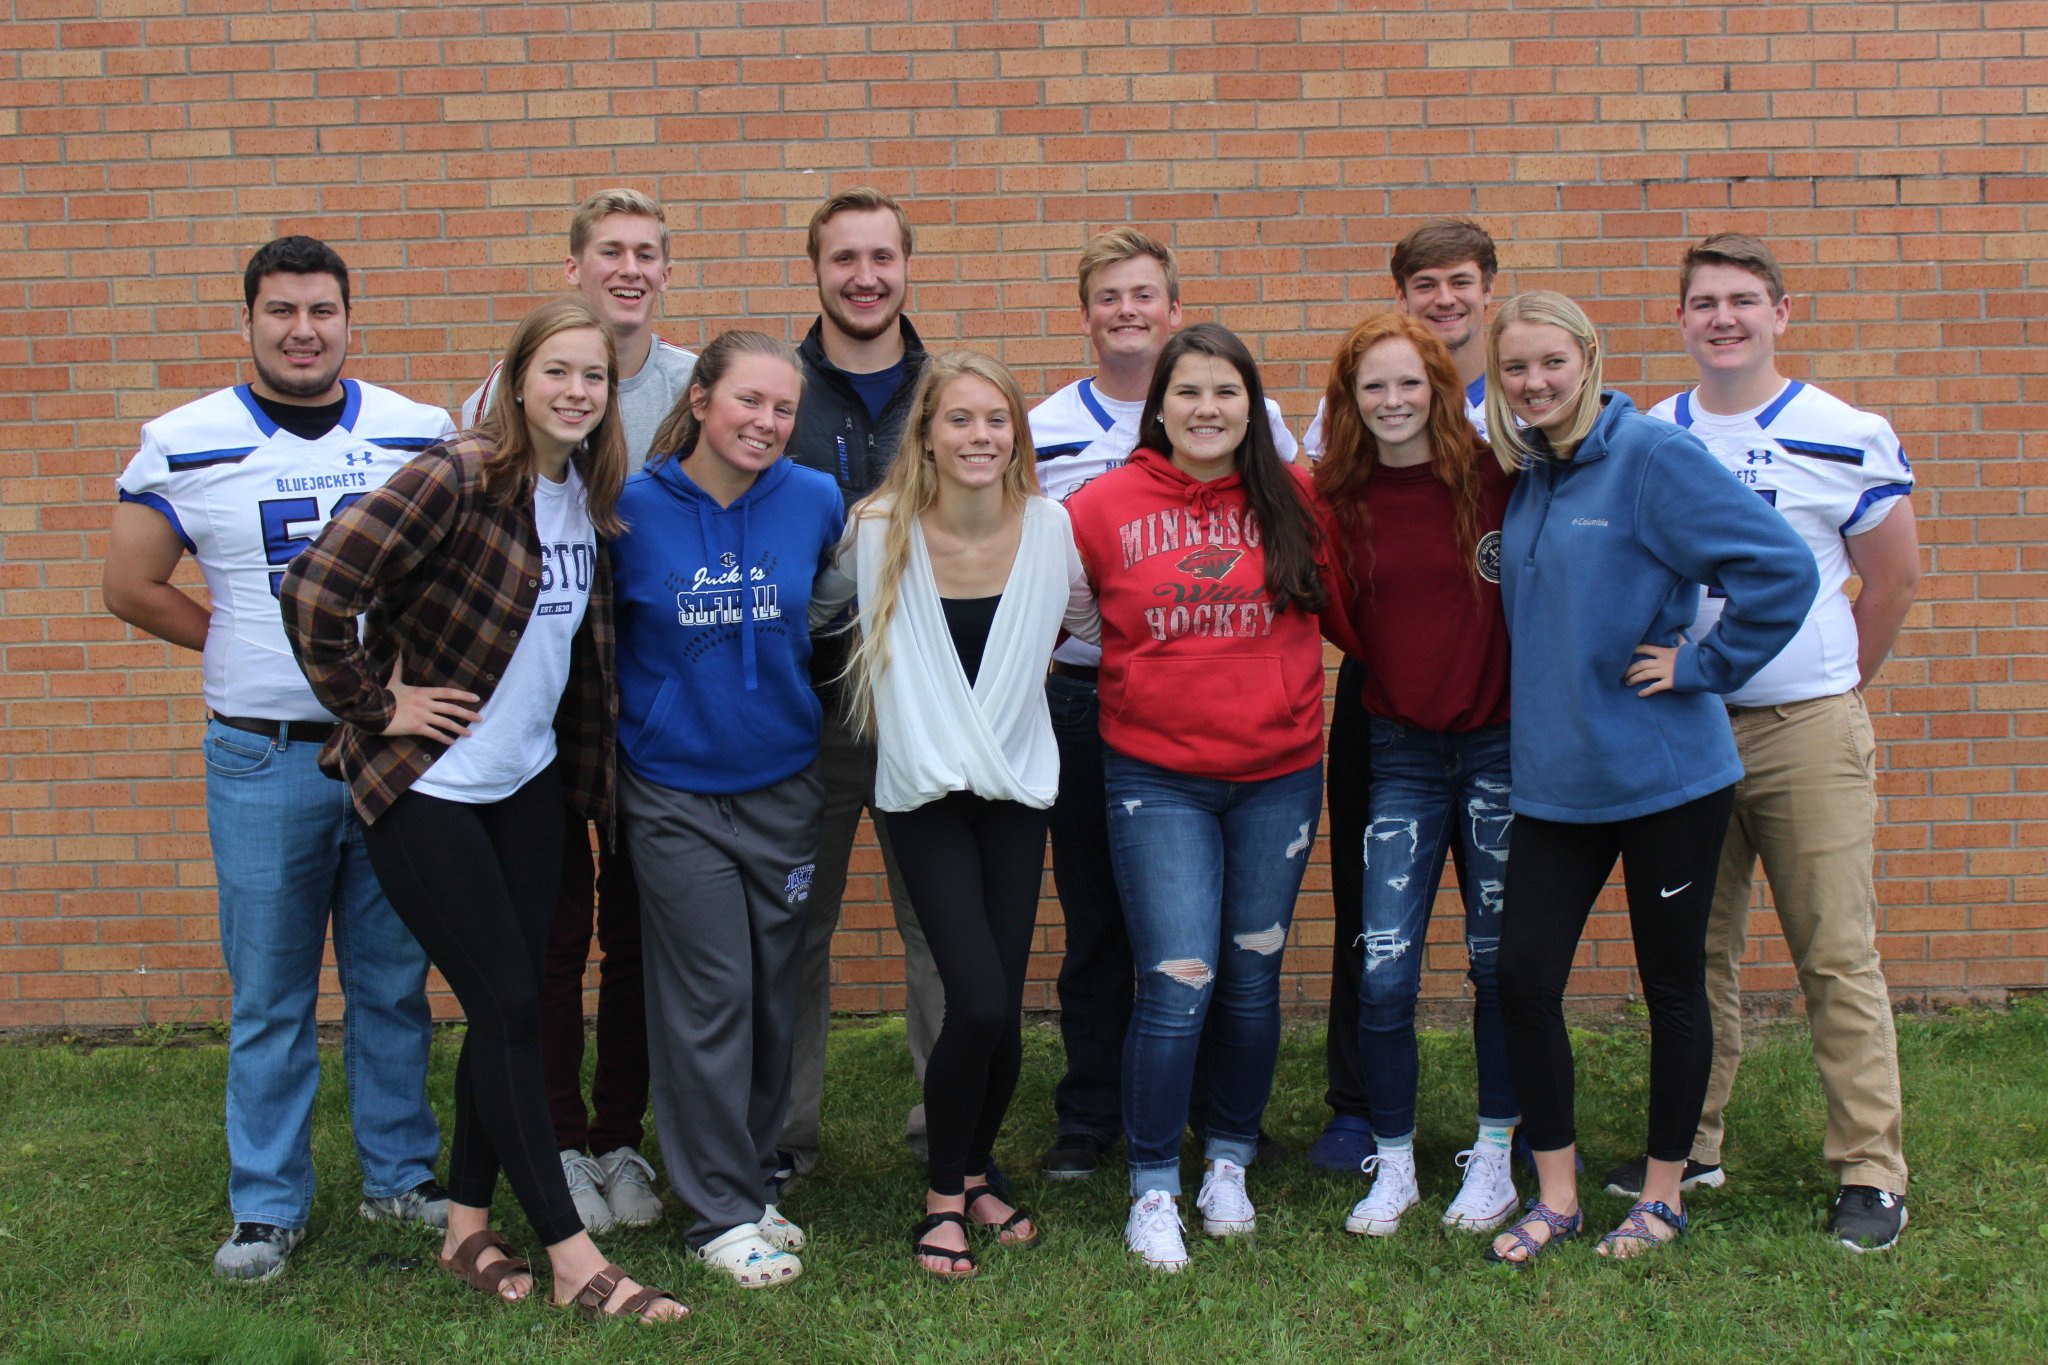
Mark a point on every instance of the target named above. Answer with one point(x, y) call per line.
point(1475, 413)
point(1831, 471)
point(246, 496)
point(1080, 434)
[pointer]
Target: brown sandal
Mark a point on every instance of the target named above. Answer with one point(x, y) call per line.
point(590, 1299)
point(462, 1265)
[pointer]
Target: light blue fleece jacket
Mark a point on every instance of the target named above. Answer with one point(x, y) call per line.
point(1607, 551)
point(714, 648)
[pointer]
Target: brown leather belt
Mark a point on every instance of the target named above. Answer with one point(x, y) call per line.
point(282, 731)
point(1078, 672)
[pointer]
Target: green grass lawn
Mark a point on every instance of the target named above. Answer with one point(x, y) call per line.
point(112, 1168)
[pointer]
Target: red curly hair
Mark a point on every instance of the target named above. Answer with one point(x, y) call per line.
point(1350, 454)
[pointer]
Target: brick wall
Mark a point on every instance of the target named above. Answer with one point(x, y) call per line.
point(1895, 153)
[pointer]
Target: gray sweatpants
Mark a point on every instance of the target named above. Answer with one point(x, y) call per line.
point(723, 882)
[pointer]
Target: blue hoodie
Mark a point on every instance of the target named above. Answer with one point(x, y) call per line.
point(1607, 551)
point(714, 653)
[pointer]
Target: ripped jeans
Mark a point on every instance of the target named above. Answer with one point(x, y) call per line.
point(1208, 871)
point(1427, 788)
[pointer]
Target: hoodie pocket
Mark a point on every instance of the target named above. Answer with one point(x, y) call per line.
point(1222, 704)
point(651, 739)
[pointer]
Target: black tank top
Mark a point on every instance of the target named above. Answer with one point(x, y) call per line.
point(968, 620)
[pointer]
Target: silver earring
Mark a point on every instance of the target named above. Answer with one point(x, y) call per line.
point(517, 399)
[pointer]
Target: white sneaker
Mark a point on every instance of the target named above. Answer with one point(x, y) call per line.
point(1393, 1193)
point(586, 1187)
point(751, 1259)
point(779, 1232)
point(1487, 1197)
point(628, 1183)
point(1154, 1232)
point(1226, 1209)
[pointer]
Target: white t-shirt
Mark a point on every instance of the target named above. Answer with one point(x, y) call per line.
point(1831, 471)
point(1475, 413)
point(245, 496)
point(1080, 434)
point(513, 738)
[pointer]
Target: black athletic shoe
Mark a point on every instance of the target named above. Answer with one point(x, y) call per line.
point(1072, 1156)
point(1867, 1218)
point(1626, 1180)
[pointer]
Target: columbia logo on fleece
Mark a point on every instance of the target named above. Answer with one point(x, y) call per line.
point(1589, 521)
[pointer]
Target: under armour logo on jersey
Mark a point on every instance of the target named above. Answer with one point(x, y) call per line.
point(355, 457)
point(1757, 456)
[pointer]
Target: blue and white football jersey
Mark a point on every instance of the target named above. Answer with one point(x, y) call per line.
point(1475, 413)
point(246, 496)
point(1832, 471)
point(1079, 435)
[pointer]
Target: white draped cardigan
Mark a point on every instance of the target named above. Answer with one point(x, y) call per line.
point(934, 734)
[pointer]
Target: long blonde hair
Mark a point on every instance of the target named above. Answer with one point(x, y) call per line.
point(600, 458)
point(1513, 445)
point(906, 492)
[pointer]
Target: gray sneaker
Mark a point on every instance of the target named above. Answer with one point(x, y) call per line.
point(586, 1188)
point(629, 1188)
point(256, 1252)
point(425, 1204)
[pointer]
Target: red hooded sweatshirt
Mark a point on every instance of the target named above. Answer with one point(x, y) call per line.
point(1201, 673)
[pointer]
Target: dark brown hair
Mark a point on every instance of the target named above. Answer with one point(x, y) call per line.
point(1441, 242)
point(1287, 523)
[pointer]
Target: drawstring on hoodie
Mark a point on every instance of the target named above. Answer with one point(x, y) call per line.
point(744, 594)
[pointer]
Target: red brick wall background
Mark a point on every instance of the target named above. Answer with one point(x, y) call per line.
point(1895, 153)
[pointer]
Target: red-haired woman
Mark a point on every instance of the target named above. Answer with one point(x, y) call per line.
point(1418, 498)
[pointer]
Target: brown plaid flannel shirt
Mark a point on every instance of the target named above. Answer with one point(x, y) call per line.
point(446, 580)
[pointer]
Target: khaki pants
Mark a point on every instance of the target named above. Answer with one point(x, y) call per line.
point(1807, 806)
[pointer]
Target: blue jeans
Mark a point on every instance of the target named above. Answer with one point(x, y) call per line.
point(1208, 871)
point(1428, 788)
point(287, 851)
point(1095, 971)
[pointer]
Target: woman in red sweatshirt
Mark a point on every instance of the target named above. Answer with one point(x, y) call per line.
point(1418, 499)
point(1213, 569)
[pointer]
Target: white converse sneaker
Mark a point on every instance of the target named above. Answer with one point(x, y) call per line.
point(1154, 1232)
point(586, 1188)
point(1487, 1197)
point(1393, 1193)
point(1226, 1209)
point(629, 1187)
point(779, 1232)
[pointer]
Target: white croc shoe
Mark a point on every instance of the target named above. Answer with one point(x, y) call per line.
point(752, 1260)
point(779, 1232)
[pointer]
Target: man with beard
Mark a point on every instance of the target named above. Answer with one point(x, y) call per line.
point(861, 359)
point(244, 478)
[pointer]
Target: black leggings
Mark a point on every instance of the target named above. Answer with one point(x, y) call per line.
point(476, 885)
point(972, 868)
point(1554, 872)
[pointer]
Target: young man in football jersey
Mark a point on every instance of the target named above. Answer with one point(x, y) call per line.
point(1130, 307)
point(862, 360)
point(619, 263)
point(1806, 804)
point(1443, 274)
point(243, 479)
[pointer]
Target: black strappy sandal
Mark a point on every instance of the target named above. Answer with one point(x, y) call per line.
point(1017, 1216)
point(920, 1248)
